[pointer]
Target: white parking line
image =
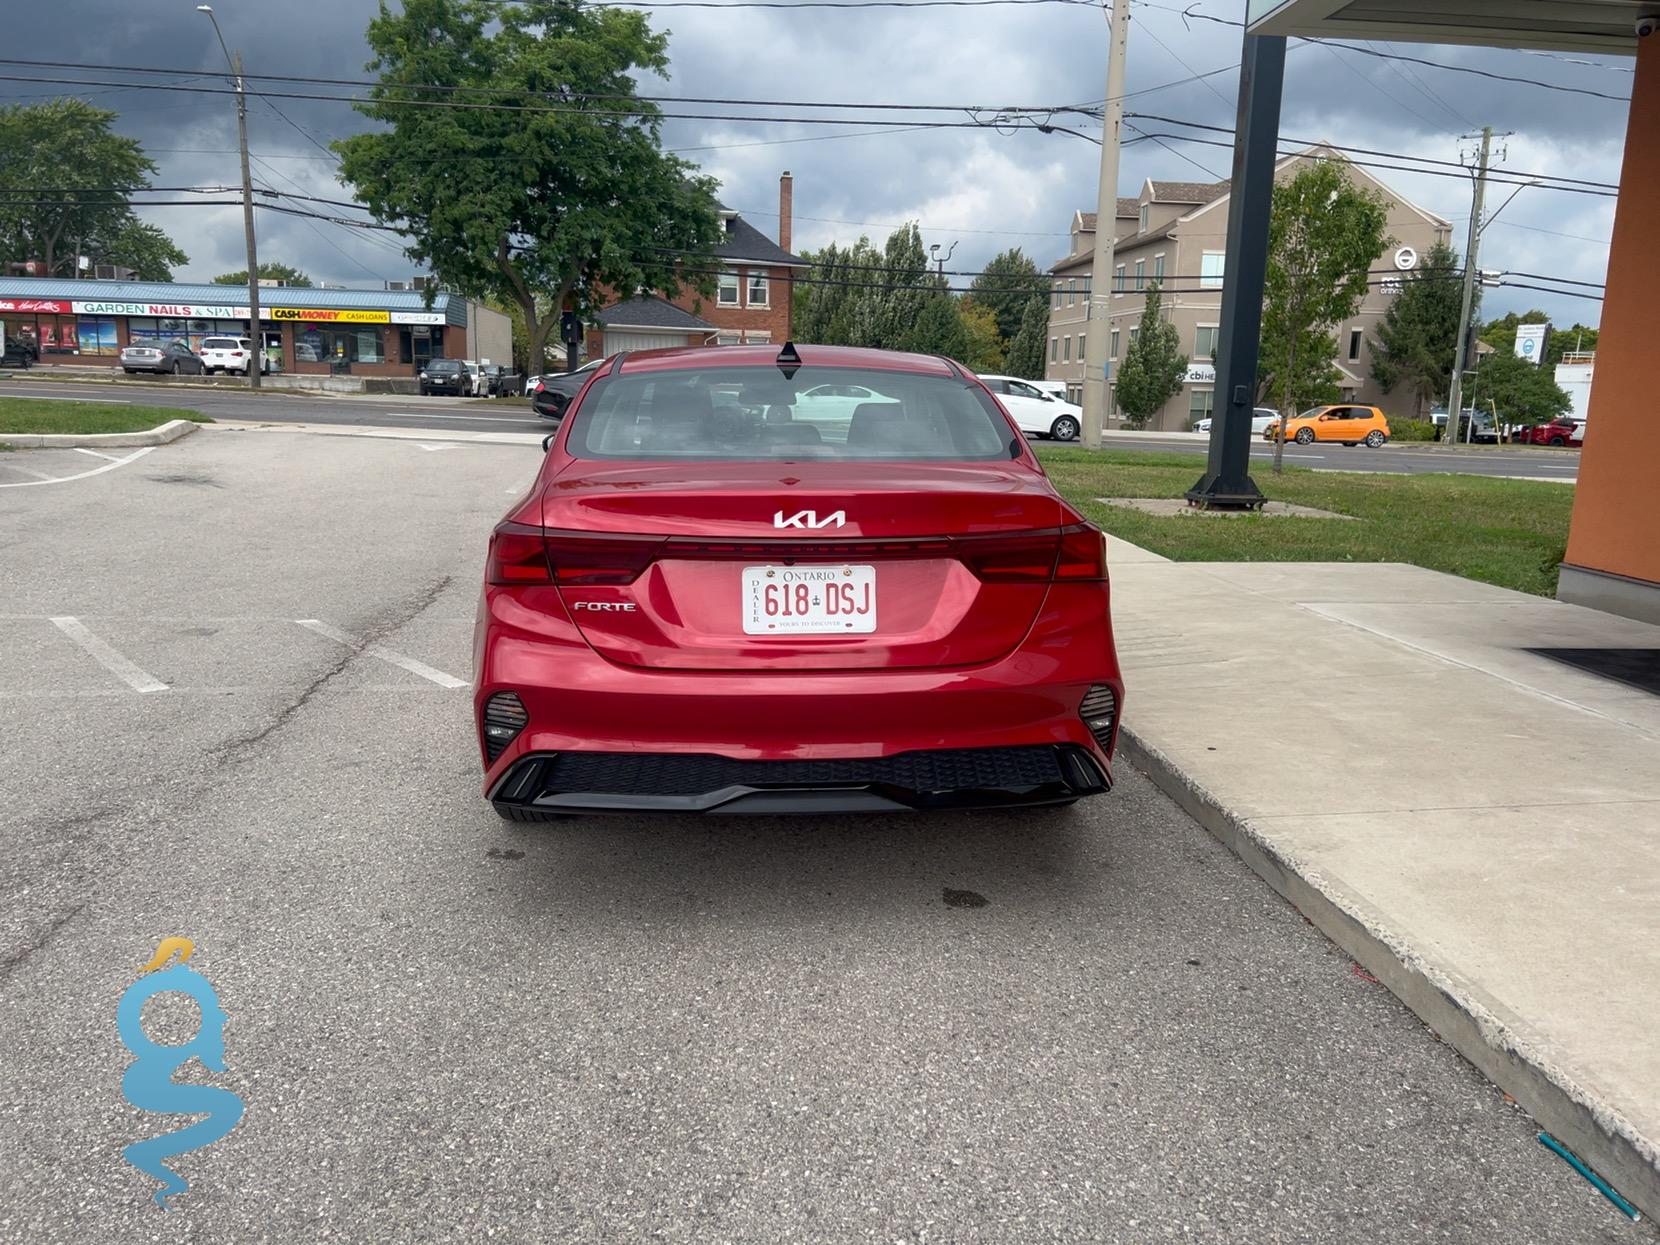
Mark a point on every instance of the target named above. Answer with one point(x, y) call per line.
point(130, 674)
point(81, 449)
point(110, 466)
point(384, 654)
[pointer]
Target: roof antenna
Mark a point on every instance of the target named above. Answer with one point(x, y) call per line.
point(789, 362)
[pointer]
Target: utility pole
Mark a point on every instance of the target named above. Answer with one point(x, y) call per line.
point(256, 334)
point(1099, 304)
point(1472, 245)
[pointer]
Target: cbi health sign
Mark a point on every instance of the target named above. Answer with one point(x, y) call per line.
point(321, 316)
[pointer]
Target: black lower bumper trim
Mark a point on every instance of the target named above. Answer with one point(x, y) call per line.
point(624, 782)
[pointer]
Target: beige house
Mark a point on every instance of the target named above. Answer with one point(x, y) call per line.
point(1176, 233)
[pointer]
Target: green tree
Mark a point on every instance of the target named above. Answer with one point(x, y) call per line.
point(1500, 333)
point(1323, 237)
point(939, 329)
point(1153, 366)
point(1521, 392)
point(825, 300)
point(269, 270)
point(1419, 332)
point(1025, 354)
point(1574, 339)
point(884, 317)
point(1007, 284)
point(985, 344)
point(580, 204)
point(65, 178)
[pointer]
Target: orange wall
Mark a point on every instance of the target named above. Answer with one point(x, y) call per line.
point(1616, 523)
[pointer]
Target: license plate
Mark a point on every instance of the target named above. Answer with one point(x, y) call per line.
point(809, 600)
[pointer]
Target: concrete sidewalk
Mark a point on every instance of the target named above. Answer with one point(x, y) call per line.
point(1476, 824)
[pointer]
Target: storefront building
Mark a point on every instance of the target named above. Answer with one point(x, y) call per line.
point(307, 331)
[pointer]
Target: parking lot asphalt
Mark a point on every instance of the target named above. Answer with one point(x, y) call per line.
point(446, 415)
point(1092, 1024)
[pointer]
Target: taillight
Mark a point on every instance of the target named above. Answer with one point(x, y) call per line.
point(582, 558)
point(1083, 553)
point(1018, 557)
point(518, 555)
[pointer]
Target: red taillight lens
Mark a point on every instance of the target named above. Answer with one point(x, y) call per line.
point(1018, 557)
point(518, 555)
point(1071, 553)
point(581, 558)
point(1083, 553)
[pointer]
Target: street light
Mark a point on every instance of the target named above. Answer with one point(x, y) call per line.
point(256, 335)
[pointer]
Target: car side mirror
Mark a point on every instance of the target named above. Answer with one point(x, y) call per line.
point(547, 442)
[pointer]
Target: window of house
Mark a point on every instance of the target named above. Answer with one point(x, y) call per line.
point(1141, 220)
point(726, 289)
point(1055, 300)
point(1141, 274)
point(1118, 279)
point(1204, 341)
point(1112, 345)
point(1134, 333)
point(757, 289)
point(1354, 345)
point(1066, 350)
point(728, 339)
point(1054, 349)
point(1071, 291)
point(756, 337)
point(1211, 267)
point(1158, 267)
point(1200, 403)
point(1080, 347)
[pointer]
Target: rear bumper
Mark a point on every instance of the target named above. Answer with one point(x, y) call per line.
point(620, 782)
point(580, 706)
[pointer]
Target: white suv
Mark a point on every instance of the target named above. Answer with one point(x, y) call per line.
point(227, 354)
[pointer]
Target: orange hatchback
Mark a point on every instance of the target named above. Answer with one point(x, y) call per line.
point(1352, 425)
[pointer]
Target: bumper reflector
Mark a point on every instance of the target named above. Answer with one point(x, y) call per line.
point(504, 718)
point(1100, 714)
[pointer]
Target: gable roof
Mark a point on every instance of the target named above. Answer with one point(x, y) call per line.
point(745, 242)
point(1126, 207)
point(651, 312)
point(1187, 192)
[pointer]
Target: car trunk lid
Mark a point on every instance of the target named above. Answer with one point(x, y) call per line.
point(802, 565)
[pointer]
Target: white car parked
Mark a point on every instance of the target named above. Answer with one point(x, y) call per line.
point(1261, 417)
point(228, 354)
point(833, 406)
point(1034, 411)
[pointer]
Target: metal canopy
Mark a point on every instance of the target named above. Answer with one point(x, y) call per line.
point(1607, 26)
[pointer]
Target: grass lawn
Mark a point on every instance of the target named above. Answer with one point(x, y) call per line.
point(1507, 532)
point(50, 415)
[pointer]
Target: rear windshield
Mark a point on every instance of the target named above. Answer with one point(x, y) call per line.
point(821, 412)
point(221, 343)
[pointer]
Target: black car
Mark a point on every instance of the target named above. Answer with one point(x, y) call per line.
point(550, 395)
point(498, 381)
point(445, 376)
point(17, 353)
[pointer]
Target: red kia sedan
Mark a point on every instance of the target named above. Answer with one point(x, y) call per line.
point(748, 580)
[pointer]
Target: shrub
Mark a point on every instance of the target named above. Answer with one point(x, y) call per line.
point(1411, 430)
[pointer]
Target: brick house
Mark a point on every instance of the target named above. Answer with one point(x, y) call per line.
point(1176, 232)
point(751, 303)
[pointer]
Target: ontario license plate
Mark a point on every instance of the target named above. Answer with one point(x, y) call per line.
point(809, 600)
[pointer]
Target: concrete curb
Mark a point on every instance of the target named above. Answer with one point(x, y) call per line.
point(1453, 1008)
point(172, 430)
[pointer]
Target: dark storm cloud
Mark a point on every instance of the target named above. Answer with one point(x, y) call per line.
point(982, 189)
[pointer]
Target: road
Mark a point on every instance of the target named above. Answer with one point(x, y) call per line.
point(446, 415)
point(227, 683)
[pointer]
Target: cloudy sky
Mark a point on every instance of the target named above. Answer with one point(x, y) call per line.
point(982, 189)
